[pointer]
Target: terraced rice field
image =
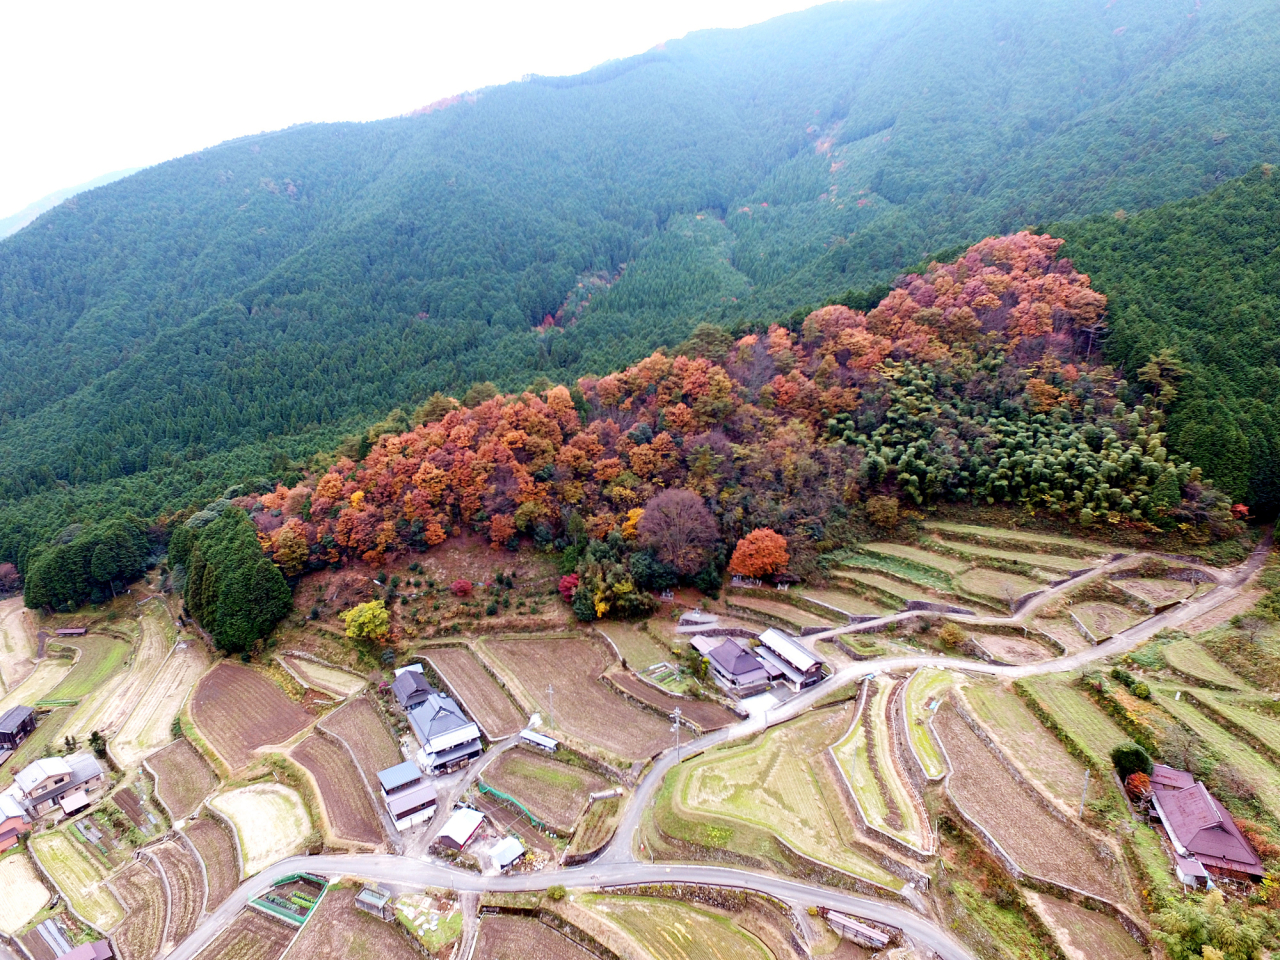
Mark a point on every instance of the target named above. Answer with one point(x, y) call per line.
point(17, 644)
point(1192, 660)
point(183, 777)
point(1026, 539)
point(1156, 591)
point(357, 724)
point(925, 686)
point(996, 585)
point(101, 658)
point(1250, 714)
point(597, 827)
point(1084, 934)
point(251, 936)
point(845, 602)
point(778, 783)
point(1026, 741)
point(150, 725)
point(1079, 717)
point(48, 674)
point(938, 562)
point(78, 877)
point(481, 695)
point(554, 792)
point(347, 806)
point(340, 683)
point(1261, 775)
point(504, 937)
point(676, 931)
point(271, 820)
point(339, 931)
point(1039, 843)
point(22, 892)
point(237, 710)
point(140, 935)
point(584, 706)
point(865, 756)
point(881, 585)
point(924, 577)
point(780, 610)
point(1105, 619)
point(1013, 649)
point(186, 888)
point(217, 849)
point(1053, 566)
point(636, 645)
point(110, 704)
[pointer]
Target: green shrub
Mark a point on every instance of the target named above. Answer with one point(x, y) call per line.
point(1130, 758)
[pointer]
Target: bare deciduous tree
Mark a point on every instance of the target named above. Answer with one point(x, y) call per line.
point(679, 529)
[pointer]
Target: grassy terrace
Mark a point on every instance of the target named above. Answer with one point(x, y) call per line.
point(1251, 715)
point(1066, 546)
point(846, 602)
point(882, 585)
point(925, 685)
point(924, 558)
point(906, 570)
point(1081, 719)
point(79, 877)
point(100, 658)
point(1053, 566)
point(1192, 660)
point(676, 931)
point(636, 645)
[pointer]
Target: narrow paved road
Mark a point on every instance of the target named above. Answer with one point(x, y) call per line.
point(618, 865)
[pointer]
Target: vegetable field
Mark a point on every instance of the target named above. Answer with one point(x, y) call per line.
point(183, 777)
point(237, 711)
point(347, 806)
point(251, 936)
point(338, 931)
point(270, 819)
point(481, 696)
point(505, 937)
point(704, 714)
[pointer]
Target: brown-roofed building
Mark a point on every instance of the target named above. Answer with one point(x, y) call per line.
point(1167, 778)
point(1204, 835)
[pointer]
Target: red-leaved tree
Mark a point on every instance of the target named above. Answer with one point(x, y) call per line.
point(760, 553)
point(568, 586)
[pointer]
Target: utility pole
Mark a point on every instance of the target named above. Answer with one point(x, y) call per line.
point(1084, 796)
point(551, 697)
point(676, 717)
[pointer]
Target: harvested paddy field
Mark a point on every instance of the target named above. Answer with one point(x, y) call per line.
point(1156, 591)
point(78, 877)
point(778, 610)
point(882, 589)
point(1039, 843)
point(584, 707)
point(251, 936)
point(504, 937)
point(668, 930)
point(1104, 619)
point(140, 935)
point(1253, 715)
point(1021, 539)
point(480, 695)
point(47, 675)
point(703, 714)
point(150, 725)
point(329, 679)
point(1078, 717)
point(217, 849)
point(339, 931)
point(1013, 649)
point(1052, 565)
point(238, 710)
point(996, 586)
point(22, 892)
point(109, 706)
point(635, 645)
point(924, 689)
point(1191, 660)
point(17, 644)
point(358, 725)
point(923, 558)
point(554, 792)
point(347, 806)
point(186, 888)
point(778, 783)
point(1084, 934)
point(845, 602)
point(271, 820)
point(183, 777)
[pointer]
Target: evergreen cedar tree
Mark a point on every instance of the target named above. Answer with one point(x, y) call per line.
point(978, 380)
point(87, 564)
point(759, 554)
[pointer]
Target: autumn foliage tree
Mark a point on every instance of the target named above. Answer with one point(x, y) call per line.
point(367, 621)
point(679, 529)
point(760, 553)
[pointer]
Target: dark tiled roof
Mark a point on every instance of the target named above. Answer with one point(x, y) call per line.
point(411, 686)
point(438, 715)
point(13, 718)
point(733, 660)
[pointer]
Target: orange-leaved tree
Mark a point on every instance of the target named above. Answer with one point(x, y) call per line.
point(759, 553)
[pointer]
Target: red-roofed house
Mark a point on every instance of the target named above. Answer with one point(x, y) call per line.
point(1204, 835)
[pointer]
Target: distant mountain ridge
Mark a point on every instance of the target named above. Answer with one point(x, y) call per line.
point(183, 327)
point(12, 224)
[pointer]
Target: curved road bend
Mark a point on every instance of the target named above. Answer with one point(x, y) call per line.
point(618, 866)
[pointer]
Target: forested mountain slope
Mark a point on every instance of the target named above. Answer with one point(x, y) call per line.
point(179, 329)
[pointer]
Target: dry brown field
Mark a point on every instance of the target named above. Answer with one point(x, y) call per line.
point(554, 792)
point(1084, 934)
point(1039, 843)
point(36, 947)
point(17, 644)
point(140, 933)
point(251, 936)
point(217, 848)
point(183, 777)
point(346, 800)
point(340, 683)
point(339, 931)
point(584, 706)
point(481, 696)
point(186, 889)
point(1013, 649)
point(358, 725)
point(238, 711)
point(705, 715)
point(522, 938)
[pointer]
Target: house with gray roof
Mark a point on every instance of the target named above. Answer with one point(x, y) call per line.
point(45, 782)
point(799, 667)
point(411, 689)
point(738, 671)
point(16, 725)
point(446, 735)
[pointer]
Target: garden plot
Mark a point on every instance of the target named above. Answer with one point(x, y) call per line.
point(340, 683)
point(924, 689)
point(504, 937)
point(80, 878)
point(556, 793)
point(1039, 843)
point(668, 930)
point(141, 934)
point(17, 644)
point(703, 714)
point(150, 725)
point(597, 828)
point(481, 696)
point(22, 892)
point(634, 644)
point(48, 674)
point(1084, 934)
point(996, 585)
point(778, 610)
point(1192, 660)
point(186, 889)
point(584, 707)
point(251, 936)
point(183, 777)
point(217, 849)
point(1105, 620)
point(866, 758)
point(848, 603)
point(238, 710)
point(1078, 717)
point(1025, 739)
point(271, 820)
point(775, 784)
point(107, 708)
point(346, 801)
point(340, 931)
point(357, 724)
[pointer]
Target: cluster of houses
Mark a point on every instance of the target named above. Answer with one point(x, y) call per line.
point(742, 670)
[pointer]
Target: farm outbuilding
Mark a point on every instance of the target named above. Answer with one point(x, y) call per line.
point(506, 852)
point(858, 932)
point(462, 826)
point(376, 901)
point(98, 950)
point(16, 725)
point(72, 631)
point(539, 741)
point(401, 777)
point(798, 666)
point(1204, 835)
point(413, 806)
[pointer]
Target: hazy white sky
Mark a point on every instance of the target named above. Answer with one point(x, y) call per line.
point(91, 87)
